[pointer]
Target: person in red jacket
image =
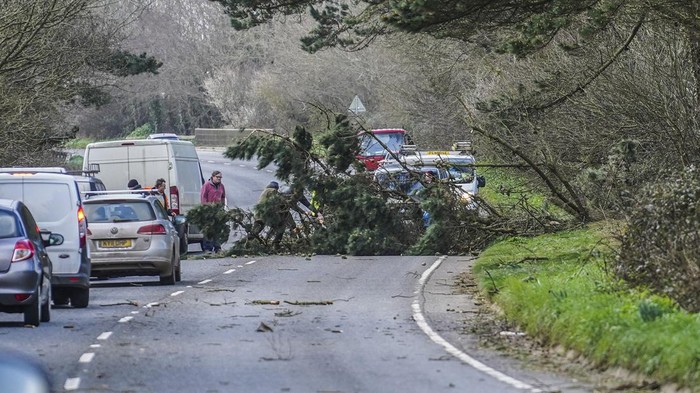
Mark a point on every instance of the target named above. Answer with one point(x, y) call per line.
point(213, 191)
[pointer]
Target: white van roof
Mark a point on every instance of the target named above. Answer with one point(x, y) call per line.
point(139, 142)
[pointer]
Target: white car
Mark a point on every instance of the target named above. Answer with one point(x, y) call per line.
point(165, 135)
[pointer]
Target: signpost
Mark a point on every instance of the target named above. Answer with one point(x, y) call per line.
point(356, 106)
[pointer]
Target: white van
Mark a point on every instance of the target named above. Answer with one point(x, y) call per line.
point(56, 205)
point(148, 160)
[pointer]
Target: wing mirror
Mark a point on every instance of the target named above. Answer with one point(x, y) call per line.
point(51, 239)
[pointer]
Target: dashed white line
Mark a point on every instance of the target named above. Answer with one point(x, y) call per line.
point(210, 161)
point(71, 384)
point(152, 304)
point(177, 293)
point(227, 163)
point(86, 357)
point(134, 312)
point(95, 345)
point(250, 263)
point(204, 281)
point(436, 338)
point(229, 271)
point(104, 336)
point(125, 319)
point(239, 266)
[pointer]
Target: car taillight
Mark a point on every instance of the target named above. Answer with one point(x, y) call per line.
point(155, 229)
point(24, 249)
point(82, 227)
point(174, 199)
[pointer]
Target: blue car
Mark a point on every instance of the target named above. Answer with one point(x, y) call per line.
point(25, 267)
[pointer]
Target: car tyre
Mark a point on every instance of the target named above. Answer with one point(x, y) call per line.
point(46, 308)
point(178, 272)
point(32, 314)
point(60, 297)
point(80, 297)
point(169, 279)
point(184, 242)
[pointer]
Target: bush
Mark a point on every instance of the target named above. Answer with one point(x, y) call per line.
point(661, 247)
point(141, 132)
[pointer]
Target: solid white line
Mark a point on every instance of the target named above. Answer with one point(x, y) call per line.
point(205, 281)
point(250, 263)
point(71, 384)
point(436, 338)
point(86, 357)
point(229, 271)
point(104, 336)
point(177, 293)
point(125, 319)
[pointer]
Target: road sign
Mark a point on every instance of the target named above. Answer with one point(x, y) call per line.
point(356, 106)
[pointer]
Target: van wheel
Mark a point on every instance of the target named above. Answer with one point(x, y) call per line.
point(60, 298)
point(46, 308)
point(32, 314)
point(184, 243)
point(80, 297)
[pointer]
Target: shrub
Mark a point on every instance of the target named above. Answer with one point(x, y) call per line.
point(661, 247)
point(141, 132)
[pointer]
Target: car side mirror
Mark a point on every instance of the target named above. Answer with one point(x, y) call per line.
point(21, 374)
point(179, 220)
point(481, 181)
point(51, 239)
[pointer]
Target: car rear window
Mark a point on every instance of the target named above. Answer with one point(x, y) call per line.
point(48, 202)
point(111, 211)
point(8, 225)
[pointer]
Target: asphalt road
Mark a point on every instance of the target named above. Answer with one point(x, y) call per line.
point(275, 324)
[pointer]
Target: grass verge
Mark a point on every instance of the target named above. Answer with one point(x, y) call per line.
point(559, 288)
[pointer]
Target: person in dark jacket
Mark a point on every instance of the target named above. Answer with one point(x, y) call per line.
point(133, 184)
point(213, 191)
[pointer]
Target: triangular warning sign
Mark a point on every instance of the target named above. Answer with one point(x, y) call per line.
point(356, 106)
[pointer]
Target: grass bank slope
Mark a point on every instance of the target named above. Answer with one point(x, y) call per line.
point(559, 288)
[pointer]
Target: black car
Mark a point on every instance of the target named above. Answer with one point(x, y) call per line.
point(25, 267)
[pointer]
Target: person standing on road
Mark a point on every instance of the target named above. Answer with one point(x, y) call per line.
point(159, 189)
point(213, 191)
point(272, 210)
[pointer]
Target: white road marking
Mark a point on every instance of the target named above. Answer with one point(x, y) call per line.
point(227, 163)
point(204, 281)
point(241, 165)
point(436, 338)
point(268, 170)
point(177, 293)
point(211, 162)
point(250, 263)
point(149, 305)
point(229, 271)
point(71, 384)
point(86, 357)
point(95, 345)
point(104, 336)
point(125, 319)
point(239, 266)
point(134, 312)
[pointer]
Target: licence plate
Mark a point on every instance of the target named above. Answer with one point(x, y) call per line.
point(122, 243)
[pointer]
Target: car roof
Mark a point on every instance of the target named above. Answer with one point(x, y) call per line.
point(163, 135)
point(37, 176)
point(8, 203)
point(47, 169)
point(387, 130)
point(118, 195)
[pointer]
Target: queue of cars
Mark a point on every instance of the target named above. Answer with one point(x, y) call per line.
point(57, 230)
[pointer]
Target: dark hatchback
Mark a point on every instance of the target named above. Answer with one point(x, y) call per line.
point(25, 267)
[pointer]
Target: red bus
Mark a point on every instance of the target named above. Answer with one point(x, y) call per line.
point(372, 153)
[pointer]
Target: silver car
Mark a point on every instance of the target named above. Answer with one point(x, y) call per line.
point(25, 267)
point(132, 235)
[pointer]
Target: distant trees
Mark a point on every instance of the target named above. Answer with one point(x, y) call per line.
point(54, 56)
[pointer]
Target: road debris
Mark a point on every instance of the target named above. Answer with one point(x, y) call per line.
point(319, 303)
point(262, 302)
point(263, 328)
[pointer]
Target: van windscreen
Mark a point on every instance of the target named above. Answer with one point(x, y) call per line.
point(48, 202)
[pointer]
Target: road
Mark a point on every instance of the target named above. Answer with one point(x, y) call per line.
point(273, 324)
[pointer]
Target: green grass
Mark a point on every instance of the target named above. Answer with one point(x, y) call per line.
point(78, 143)
point(507, 191)
point(558, 287)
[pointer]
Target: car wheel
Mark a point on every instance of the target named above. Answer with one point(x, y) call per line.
point(170, 279)
point(60, 297)
point(80, 297)
point(178, 272)
point(184, 242)
point(32, 314)
point(46, 308)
